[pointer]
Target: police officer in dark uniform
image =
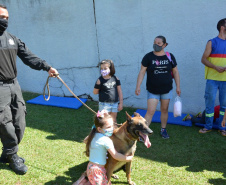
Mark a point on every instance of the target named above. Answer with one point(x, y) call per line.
point(12, 105)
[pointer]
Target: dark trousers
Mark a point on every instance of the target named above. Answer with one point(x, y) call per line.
point(12, 116)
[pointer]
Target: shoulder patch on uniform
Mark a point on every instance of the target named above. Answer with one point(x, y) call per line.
point(11, 42)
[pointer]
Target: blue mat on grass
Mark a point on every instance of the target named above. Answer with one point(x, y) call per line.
point(64, 102)
point(171, 118)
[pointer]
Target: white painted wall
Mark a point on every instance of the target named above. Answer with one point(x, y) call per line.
point(64, 33)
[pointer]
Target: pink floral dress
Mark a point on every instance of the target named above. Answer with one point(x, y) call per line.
point(97, 174)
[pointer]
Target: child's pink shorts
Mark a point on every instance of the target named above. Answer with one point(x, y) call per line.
point(97, 174)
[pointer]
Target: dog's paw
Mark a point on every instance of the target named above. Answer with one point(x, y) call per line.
point(115, 176)
point(131, 183)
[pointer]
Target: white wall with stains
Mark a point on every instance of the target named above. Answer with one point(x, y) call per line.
point(74, 35)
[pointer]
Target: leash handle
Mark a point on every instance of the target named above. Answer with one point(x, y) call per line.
point(47, 85)
point(48, 90)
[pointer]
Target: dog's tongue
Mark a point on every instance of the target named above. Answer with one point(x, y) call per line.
point(146, 139)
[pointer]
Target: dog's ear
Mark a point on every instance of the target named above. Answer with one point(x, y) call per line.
point(128, 117)
point(136, 114)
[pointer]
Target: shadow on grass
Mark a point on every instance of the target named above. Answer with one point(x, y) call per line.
point(74, 173)
point(186, 147)
point(4, 166)
point(217, 181)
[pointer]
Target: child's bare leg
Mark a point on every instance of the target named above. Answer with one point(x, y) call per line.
point(82, 180)
point(114, 116)
point(85, 182)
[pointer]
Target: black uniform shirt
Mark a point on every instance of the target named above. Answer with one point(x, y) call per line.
point(10, 48)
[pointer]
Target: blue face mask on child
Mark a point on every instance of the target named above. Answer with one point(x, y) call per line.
point(108, 132)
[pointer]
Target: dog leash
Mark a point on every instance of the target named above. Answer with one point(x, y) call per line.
point(58, 76)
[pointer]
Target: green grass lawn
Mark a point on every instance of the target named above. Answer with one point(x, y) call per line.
point(54, 152)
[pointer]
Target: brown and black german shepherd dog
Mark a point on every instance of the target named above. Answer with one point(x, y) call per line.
point(125, 138)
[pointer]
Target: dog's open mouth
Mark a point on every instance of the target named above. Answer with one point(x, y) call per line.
point(147, 143)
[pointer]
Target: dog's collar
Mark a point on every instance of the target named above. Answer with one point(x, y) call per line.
point(128, 134)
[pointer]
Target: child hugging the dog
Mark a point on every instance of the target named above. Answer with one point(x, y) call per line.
point(108, 87)
point(98, 144)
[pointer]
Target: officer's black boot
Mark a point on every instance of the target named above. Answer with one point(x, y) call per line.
point(16, 164)
point(4, 159)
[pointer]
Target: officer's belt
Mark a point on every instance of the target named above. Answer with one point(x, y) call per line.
point(8, 81)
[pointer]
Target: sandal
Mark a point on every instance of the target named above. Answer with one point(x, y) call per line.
point(222, 132)
point(204, 130)
point(187, 117)
point(199, 115)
